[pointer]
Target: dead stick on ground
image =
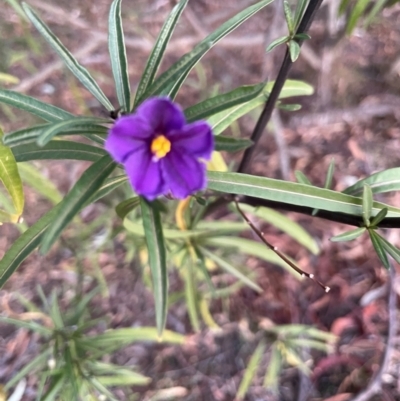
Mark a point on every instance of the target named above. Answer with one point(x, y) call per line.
point(375, 386)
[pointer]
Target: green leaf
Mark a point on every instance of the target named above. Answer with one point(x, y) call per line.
point(349, 235)
point(378, 6)
point(157, 260)
point(57, 383)
point(302, 178)
point(274, 367)
point(109, 185)
point(33, 326)
point(231, 269)
point(126, 206)
point(158, 51)
point(294, 50)
point(291, 193)
point(384, 181)
point(222, 102)
point(288, 17)
point(230, 144)
point(289, 107)
point(223, 120)
point(299, 12)
point(90, 181)
point(204, 229)
point(367, 204)
point(9, 175)
point(251, 370)
point(81, 73)
point(22, 247)
point(250, 247)
point(62, 127)
point(355, 15)
point(284, 224)
point(329, 175)
point(277, 42)
point(191, 295)
point(183, 66)
point(302, 36)
point(117, 50)
point(40, 109)
point(379, 248)
point(378, 218)
point(36, 180)
point(390, 249)
point(38, 363)
point(28, 135)
point(115, 339)
point(58, 150)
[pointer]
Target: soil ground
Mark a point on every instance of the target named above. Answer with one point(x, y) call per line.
point(353, 117)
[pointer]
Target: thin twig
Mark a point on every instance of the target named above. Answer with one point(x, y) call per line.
point(274, 249)
point(375, 386)
point(276, 90)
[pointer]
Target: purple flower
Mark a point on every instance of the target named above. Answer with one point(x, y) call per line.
point(161, 153)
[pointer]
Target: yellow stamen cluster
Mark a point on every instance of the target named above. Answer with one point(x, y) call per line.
point(160, 146)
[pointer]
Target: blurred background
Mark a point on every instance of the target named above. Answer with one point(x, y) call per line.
point(352, 117)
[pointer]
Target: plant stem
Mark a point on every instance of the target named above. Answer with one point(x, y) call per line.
point(287, 63)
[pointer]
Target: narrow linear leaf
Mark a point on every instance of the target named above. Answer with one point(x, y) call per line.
point(223, 120)
point(251, 370)
point(58, 150)
point(108, 186)
point(81, 73)
point(158, 51)
point(367, 204)
point(290, 192)
point(36, 180)
point(379, 217)
point(329, 175)
point(302, 178)
point(126, 206)
point(357, 11)
point(302, 36)
point(25, 245)
point(249, 247)
point(379, 248)
point(390, 249)
point(157, 260)
point(90, 181)
point(298, 14)
point(117, 50)
point(231, 269)
point(27, 103)
point(181, 68)
point(222, 102)
point(384, 181)
point(276, 43)
point(178, 72)
point(64, 126)
point(28, 135)
point(294, 50)
point(274, 367)
point(9, 175)
point(349, 235)
point(230, 144)
point(288, 107)
point(191, 295)
point(288, 17)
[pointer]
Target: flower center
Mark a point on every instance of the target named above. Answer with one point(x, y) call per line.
point(160, 146)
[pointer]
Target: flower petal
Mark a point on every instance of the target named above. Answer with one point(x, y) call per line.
point(196, 139)
point(145, 175)
point(183, 174)
point(129, 134)
point(162, 114)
